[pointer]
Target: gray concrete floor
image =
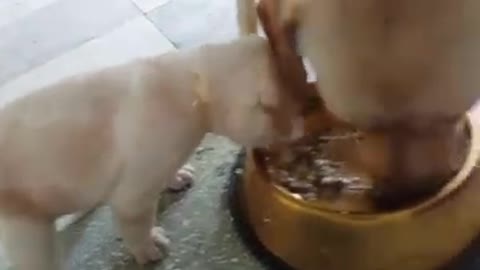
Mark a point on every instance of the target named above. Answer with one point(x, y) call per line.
point(44, 40)
point(197, 222)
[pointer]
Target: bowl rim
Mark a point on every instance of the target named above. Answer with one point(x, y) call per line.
point(453, 185)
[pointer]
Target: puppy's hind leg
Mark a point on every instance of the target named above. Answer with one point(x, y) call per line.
point(29, 243)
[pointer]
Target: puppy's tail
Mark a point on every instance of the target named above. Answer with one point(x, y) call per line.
point(247, 17)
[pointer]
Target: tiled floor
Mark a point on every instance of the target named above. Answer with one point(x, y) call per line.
point(44, 40)
point(55, 29)
point(214, 21)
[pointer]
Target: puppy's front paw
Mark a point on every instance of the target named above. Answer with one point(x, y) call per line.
point(183, 179)
point(155, 250)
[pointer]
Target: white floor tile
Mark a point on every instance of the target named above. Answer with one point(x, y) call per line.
point(55, 29)
point(190, 23)
point(137, 38)
point(12, 10)
point(149, 5)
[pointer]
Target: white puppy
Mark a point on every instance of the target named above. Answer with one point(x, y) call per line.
point(117, 136)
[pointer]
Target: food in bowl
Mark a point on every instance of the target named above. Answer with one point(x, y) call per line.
point(308, 170)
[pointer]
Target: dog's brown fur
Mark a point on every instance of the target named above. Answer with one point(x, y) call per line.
point(388, 66)
point(383, 61)
point(404, 70)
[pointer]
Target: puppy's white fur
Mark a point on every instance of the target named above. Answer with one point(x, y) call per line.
point(116, 136)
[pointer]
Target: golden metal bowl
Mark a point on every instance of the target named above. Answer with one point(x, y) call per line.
point(308, 237)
